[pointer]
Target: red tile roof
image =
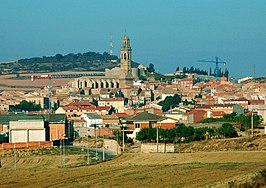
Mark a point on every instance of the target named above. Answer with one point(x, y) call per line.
point(113, 99)
point(256, 102)
point(218, 113)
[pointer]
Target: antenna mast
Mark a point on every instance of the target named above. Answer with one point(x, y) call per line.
point(111, 44)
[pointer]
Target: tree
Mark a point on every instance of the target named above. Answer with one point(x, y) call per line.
point(227, 130)
point(26, 106)
point(147, 134)
point(151, 68)
point(226, 73)
point(170, 102)
point(58, 57)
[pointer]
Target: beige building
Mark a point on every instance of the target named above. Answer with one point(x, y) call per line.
point(117, 103)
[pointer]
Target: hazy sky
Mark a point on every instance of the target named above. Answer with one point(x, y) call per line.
point(167, 33)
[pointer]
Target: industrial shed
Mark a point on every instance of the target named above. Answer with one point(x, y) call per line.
point(27, 131)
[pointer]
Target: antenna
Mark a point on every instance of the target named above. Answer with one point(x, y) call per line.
point(111, 44)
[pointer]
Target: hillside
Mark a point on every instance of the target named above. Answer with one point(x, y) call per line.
point(232, 144)
point(203, 169)
point(89, 61)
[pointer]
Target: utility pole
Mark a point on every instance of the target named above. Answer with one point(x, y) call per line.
point(123, 129)
point(252, 124)
point(64, 153)
point(88, 153)
point(157, 139)
point(15, 155)
point(117, 144)
point(61, 159)
point(96, 142)
point(103, 150)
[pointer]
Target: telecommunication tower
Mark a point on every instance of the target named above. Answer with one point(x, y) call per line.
point(111, 44)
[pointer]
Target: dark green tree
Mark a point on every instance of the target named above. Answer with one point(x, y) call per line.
point(227, 130)
point(151, 68)
point(170, 102)
point(26, 106)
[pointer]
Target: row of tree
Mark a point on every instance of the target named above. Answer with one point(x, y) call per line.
point(193, 70)
point(25, 106)
point(184, 133)
point(243, 119)
point(204, 72)
point(71, 57)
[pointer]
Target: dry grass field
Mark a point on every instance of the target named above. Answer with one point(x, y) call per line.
point(202, 169)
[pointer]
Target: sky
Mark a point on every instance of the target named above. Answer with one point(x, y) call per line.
point(166, 33)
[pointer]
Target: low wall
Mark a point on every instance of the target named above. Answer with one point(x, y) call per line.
point(112, 146)
point(25, 145)
point(162, 148)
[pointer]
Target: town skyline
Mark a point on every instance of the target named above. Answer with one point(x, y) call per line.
point(176, 34)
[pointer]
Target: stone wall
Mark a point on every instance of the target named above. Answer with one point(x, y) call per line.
point(112, 146)
point(151, 148)
point(25, 145)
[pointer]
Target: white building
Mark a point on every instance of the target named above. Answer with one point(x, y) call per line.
point(92, 119)
point(27, 131)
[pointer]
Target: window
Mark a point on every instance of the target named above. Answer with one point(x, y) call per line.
point(137, 125)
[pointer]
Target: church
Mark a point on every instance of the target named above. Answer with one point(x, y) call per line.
point(117, 78)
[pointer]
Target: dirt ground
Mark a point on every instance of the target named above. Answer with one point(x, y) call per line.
point(202, 169)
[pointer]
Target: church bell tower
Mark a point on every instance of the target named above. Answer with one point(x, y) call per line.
point(126, 77)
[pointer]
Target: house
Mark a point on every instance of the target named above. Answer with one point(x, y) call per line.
point(226, 108)
point(195, 116)
point(117, 103)
point(185, 82)
point(241, 101)
point(217, 114)
point(147, 120)
point(77, 111)
point(35, 127)
point(92, 119)
point(59, 127)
